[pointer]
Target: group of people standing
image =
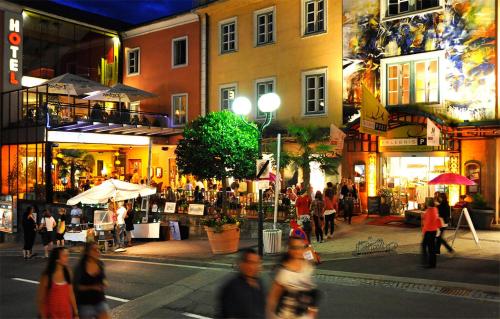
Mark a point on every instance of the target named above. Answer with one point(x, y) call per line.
point(123, 223)
point(293, 293)
point(434, 223)
point(64, 295)
point(322, 209)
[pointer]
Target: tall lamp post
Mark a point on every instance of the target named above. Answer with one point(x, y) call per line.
point(267, 103)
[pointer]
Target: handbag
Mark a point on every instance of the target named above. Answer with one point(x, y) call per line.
point(43, 228)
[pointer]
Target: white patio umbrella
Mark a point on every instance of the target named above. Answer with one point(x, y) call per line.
point(112, 189)
point(71, 84)
point(121, 93)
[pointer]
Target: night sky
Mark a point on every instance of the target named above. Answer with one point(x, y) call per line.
point(131, 11)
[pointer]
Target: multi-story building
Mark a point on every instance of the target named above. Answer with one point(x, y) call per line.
point(426, 61)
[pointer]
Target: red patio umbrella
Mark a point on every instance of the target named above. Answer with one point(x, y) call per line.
point(451, 179)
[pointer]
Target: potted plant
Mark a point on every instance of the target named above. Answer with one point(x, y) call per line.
point(223, 233)
point(481, 214)
point(385, 201)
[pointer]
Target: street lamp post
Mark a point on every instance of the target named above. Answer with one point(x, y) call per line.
point(267, 103)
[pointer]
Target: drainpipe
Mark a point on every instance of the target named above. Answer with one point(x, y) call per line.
point(204, 64)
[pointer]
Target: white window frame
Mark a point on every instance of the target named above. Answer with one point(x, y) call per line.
point(127, 51)
point(174, 66)
point(221, 24)
point(173, 96)
point(303, 19)
point(305, 74)
point(256, 14)
point(434, 55)
point(227, 86)
point(256, 97)
point(384, 13)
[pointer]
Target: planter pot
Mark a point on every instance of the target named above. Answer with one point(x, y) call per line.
point(225, 242)
point(482, 218)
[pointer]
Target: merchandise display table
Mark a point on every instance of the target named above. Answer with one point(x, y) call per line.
point(150, 230)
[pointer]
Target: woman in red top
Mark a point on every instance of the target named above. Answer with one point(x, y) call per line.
point(331, 208)
point(55, 293)
point(430, 226)
point(303, 203)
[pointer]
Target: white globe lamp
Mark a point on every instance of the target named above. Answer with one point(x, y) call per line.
point(242, 105)
point(269, 102)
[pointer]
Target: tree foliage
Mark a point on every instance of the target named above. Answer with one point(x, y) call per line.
point(74, 160)
point(218, 145)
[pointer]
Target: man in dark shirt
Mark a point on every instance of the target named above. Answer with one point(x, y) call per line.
point(243, 295)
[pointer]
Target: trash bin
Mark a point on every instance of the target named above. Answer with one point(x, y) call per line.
point(164, 232)
point(184, 230)
point(272, 241)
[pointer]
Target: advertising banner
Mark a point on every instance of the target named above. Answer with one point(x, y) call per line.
point(433, 134)
point(374, 117)
point(12, 51)
point(337, 137)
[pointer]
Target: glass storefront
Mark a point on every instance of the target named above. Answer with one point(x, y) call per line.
point(53, 47)
point(408, 176)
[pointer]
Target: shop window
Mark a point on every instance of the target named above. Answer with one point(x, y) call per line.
point(314, 92)
point(473, 172)
point(360, 176)
point(180, 52)
point(228, 35)
point(395, 8)
point(227, 96)
point(414, 81)
point(314, 16)
point(262, 87)
point(264, 26)
point(133, 61)
point(179, 109)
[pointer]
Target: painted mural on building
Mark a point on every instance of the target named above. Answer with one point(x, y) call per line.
point(465, 30)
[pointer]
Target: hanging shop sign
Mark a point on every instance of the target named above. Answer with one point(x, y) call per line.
point(337, 137)
point(433, 134)
point(12, 51)
point(374, 117)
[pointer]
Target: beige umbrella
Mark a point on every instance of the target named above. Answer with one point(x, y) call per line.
point(70, 84)
point(121, 93)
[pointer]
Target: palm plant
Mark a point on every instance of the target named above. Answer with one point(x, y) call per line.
point(73, 161)
point(313, 147)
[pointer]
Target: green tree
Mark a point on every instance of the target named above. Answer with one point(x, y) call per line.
point(73, 161)
point(313, 147)
point(218, 145)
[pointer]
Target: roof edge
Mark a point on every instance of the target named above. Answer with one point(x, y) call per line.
point(165, 23)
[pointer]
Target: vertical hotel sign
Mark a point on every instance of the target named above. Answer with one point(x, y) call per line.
point(12, 51)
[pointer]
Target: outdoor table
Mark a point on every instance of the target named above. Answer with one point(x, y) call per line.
point(149, 230)
point(76, 236)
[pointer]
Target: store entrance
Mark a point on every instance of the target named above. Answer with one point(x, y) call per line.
point(407, 176)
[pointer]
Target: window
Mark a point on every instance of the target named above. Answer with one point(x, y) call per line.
point(314, 16)
point(264, 26)
point(180, 52)
point(314, 92)
point(262, 87)
point(228, 35)
point(133, 60)
point(400, 7)
point(412, 79)
point(179, 109)
point(227, 95)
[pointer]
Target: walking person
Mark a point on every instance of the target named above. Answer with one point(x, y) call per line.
point(55, 296)
point(430, 226)
point(318, 214)
point(61, 227)
point(349, 194)
point(444, 214)
point(293, 293)
point(90, 281)
point(120, 225)
point(29, 229)
point(129, 224)
point(302, 207)
point(46, 229)
point(331, 208)
point(243, 295)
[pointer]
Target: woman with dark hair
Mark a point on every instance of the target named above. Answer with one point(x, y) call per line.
point(61, 227)
point(444, 214)
point(29, 229)
point(293, 293)
point(46, 228)
point(90, 281)
point(129, 224)
point(430, 226)
point(331, 208)
point(318, 213)
point(55, 294)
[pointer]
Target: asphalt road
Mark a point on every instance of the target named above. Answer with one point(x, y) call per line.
point(161, 290)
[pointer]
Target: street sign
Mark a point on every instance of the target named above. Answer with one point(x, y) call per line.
point(262, 184)
point(263, 169)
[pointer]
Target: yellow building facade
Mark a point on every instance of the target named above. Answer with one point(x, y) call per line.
point(290, 47)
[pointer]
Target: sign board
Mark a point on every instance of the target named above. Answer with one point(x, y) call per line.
point(196, 209)
point(465, 212)
point(263, 168)
point(262, 184)
point(336, 138)
point(12, 51)
point(169, 208)
point(373, 204)
point(175, 233)
point(8, 216)
point(374, 117)
point(433, 133)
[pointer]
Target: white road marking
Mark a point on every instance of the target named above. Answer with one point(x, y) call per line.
point(164, 264)
point(192, 315)
point(37, 282)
